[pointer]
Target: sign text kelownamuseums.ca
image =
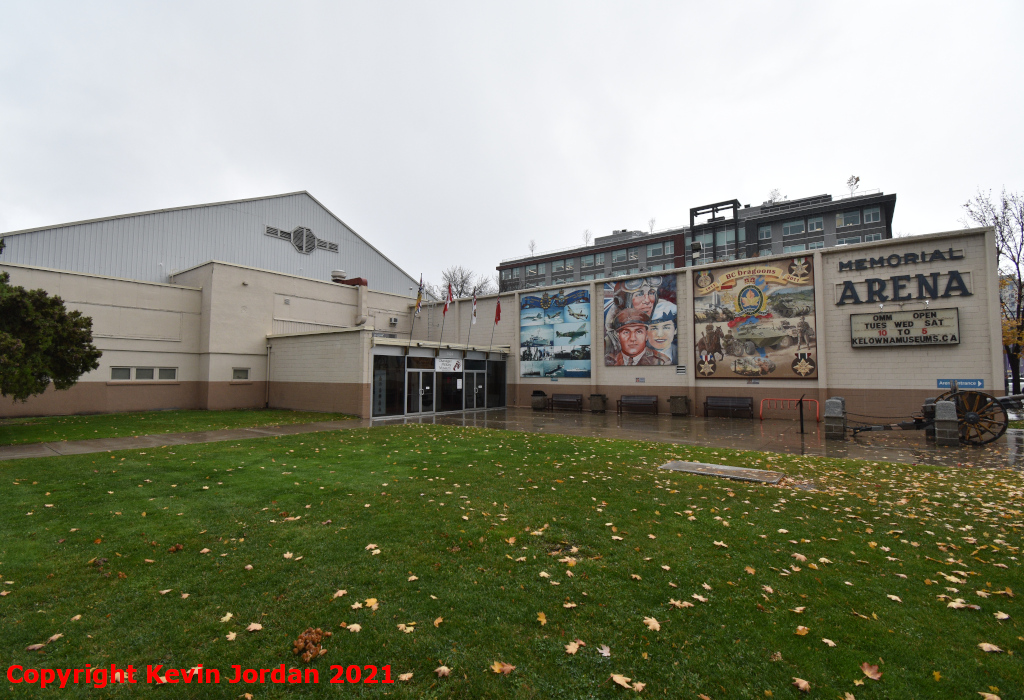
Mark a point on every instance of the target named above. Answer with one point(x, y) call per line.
point(640, 322)
point(905, 328)
point(756, 320)
point(554, 334)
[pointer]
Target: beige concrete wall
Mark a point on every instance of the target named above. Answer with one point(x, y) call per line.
point(322, 372)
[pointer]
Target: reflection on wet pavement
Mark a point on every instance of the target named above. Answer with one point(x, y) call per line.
point(908, 447)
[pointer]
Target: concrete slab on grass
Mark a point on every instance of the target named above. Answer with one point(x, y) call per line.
point(738, 473)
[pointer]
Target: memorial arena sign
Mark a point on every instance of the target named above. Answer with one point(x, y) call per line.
point(897, 288)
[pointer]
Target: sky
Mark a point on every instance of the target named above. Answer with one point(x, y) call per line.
point(456, 132)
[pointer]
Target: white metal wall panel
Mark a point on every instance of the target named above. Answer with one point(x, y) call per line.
point(151, 246)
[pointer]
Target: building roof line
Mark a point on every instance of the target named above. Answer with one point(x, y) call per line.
point(215, 204)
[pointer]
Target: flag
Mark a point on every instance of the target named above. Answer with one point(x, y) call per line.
point(474, 308)
point(419, 296)
point(447, 300)
point(497, 312)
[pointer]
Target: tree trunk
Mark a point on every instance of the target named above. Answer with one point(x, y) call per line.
point(1013, 358)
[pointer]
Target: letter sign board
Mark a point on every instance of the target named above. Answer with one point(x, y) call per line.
point(905, 328)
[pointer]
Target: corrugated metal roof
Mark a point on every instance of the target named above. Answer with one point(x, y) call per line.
point(150, 245)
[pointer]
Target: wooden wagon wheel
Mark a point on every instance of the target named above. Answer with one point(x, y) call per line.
point(980, 418)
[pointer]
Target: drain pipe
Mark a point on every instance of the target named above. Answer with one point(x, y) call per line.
point(266, 402)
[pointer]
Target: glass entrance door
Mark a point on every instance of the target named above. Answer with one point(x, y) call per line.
point(476, 397)
point(419, 391)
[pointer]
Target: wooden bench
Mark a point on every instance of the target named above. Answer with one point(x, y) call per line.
point(637, 404)
point(572, 402)
point(732, 404)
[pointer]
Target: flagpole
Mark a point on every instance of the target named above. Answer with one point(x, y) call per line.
point(472, 322)
point(416, 311)
point(494, 325)
point(444, 315)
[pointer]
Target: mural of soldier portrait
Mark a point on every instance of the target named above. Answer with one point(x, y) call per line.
point(642, 297)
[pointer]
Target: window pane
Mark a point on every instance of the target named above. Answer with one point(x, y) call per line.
point(557, 265)
point(568, 265)
point(730, 235)
point(239, 373)
point(506, 274)
point(814, 245)
point(120, 373)
point(791, 228)
point(848, 218)
point(619, 256)
point(541, 268)
point(531, 269)
point(794, 248)
point(873, 237)
point(515, 272)
point(764, 232)
point(872, 215)
point(599, 259)
point(654, 250)
point(815, 224)
point(168, 373)
point(634, 253)
point(143, 372)
point(670, 247)
point(587, 261)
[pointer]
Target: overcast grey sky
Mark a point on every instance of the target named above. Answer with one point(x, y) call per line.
point(454, 132)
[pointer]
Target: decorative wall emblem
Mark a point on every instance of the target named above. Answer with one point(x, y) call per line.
point(302, 239)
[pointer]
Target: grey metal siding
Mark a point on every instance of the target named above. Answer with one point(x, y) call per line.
point(150, 246)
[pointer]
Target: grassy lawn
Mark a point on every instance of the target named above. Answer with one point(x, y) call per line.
point(470, 534)
point(21, 431)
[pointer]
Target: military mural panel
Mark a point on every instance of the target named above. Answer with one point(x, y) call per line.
point(554, 334)
point(756, 320)
point(640, 322)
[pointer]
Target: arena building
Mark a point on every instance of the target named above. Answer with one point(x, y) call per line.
point(249, 314)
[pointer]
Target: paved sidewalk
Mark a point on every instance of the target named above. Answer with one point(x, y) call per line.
point(907, 447)
point(81, 447)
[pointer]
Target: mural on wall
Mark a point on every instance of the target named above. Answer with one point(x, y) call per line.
point(756, 320)
point(640, 322)
point(554, 334)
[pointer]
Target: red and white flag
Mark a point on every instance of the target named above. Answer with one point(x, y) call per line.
point(474, 309)
point(447, 300)
point(497, 312)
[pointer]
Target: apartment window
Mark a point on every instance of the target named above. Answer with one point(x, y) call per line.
point(557, 265)
point(762, 252)
point(587, 261)
point(619, 256)
point(120, 374)
point(168, 373)
point(815, 224)
point(847, 218)
point(634, 270)
point(620, 273)
point(542, 268)
point(586, 278)
point(655, 250)
point(848, 241)
point(142, 373)
point(599, 275)
point(726, 237)
point(872, 215)
point(506, 274)
point(670, 247)
point(568, 264)
point(814, 245)
point(531, 270)
point(791, 228)
point(655, 267)
point(872, 237)
point(240, 373)
point(741, 254)
point(764, 233)
point(799, 247)
point(634, 253)
point(599, 259)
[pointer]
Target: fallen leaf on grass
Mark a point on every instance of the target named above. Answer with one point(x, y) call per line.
point(230, 636)
point(723, 545)
point(616, 537)
point(1001, 616)
point(568, 604)
point(248, 567)
point(544, 574)
point(502, 668)
point(542, 619)
point(414, 578)
point(184, 595)
point(801, 630)
point(572, 648)
point(802, 685)
point(34, 647)
point(288, 555)
point(604, 650)
point(698, 596)
point(165, 591)
point(870, 671)
point(254, 627)
point(638, 686)
point(372, 603)
point(438, 621)
point(799, 557)
point(621, 680)
point(371, 546)
point(355, 627)
point(405, 676)
point(798, 610)
point(79, 617)
point(750, 570)
point(828, 641)
point(204, 550)
point(338, 593)
point(635, 577)
point(442, 671)
point(991, 648)
point(988, 696)
point(652, 624)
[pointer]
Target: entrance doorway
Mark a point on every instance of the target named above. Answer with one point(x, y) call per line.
point(419, 391)
point(476, 395)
